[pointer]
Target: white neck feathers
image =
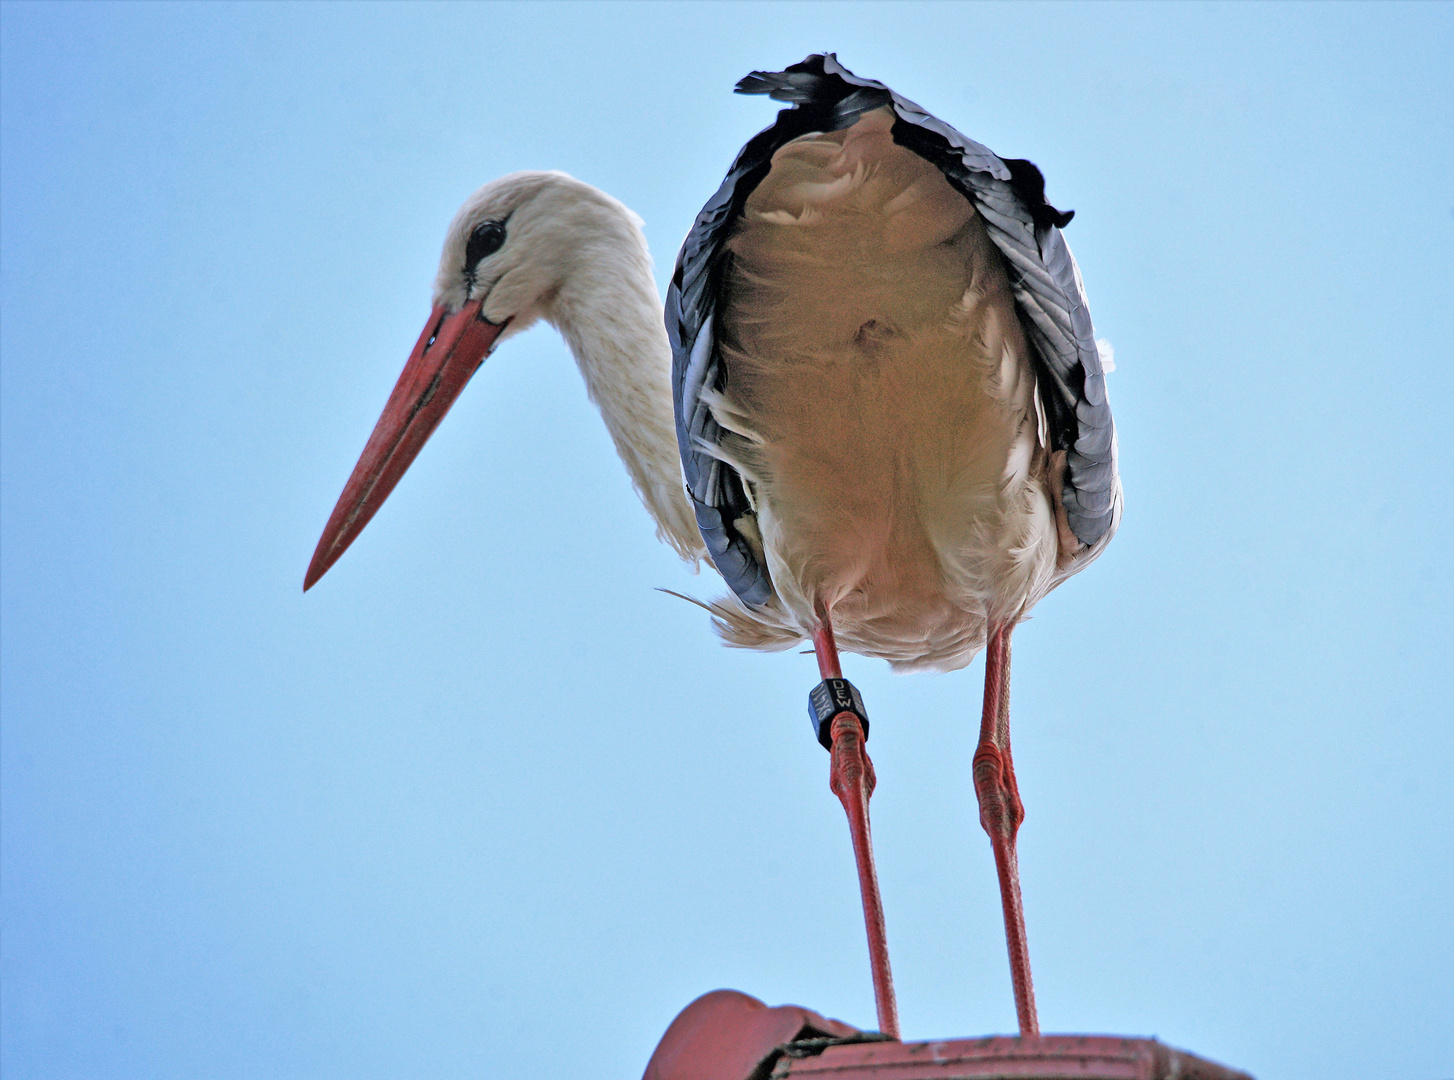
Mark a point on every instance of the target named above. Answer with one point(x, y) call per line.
point(607, 309)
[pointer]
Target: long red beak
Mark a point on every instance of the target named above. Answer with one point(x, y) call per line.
point(449, 351)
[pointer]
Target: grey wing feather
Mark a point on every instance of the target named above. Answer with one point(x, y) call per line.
point(1010, 196)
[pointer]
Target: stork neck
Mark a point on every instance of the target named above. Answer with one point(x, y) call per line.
point(609, 313)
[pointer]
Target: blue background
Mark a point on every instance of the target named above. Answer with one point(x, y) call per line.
point(484, 803)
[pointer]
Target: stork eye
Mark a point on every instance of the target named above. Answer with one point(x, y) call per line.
point(488, 238)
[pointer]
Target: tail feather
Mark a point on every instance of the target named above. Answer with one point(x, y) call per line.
point(766, 627)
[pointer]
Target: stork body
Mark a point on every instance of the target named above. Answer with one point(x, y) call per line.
point(876, 378)
point(912, 499)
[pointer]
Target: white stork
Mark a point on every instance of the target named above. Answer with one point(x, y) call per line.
point(878, 379)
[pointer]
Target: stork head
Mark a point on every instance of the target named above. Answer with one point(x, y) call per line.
point(509, 248)
point(508, 253)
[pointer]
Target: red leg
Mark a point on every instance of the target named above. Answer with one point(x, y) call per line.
point(1000, 812)
point(851, 778)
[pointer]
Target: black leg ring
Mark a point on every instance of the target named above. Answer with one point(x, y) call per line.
point(829, 698)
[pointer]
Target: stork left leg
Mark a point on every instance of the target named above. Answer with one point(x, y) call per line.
point(1000, 812)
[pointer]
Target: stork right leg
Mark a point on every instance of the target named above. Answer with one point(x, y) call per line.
point(1000, 812)
point(851, 778)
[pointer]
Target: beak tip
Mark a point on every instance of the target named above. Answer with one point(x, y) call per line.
point(316, 569)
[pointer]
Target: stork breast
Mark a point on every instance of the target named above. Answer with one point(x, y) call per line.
point(876, 374)
point(854, 257)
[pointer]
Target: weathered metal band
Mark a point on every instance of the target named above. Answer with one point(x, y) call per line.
point(829, 698)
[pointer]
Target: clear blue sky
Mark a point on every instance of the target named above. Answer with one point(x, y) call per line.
point(484, 803)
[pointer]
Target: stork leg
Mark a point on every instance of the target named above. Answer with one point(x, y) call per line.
point(851, 778)
point(1000, 812)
